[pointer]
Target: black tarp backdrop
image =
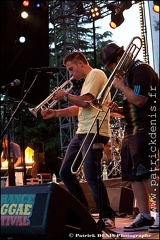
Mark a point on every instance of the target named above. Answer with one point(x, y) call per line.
point(16, 58)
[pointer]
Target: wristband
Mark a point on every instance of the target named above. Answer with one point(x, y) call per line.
point(65, 98)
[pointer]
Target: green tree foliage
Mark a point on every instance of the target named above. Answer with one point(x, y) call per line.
point(47, 131)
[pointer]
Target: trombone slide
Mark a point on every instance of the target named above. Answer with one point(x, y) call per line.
point(123, 65)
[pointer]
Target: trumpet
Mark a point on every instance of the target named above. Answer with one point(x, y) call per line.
point(49, 102)
point(122, 67)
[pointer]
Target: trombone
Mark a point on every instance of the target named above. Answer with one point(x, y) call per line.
point(49, 102)
point(122, 67)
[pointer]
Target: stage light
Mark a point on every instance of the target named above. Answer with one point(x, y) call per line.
point(22, 39)
point(123, 6)
point(95, 12)
point(24, 14)
point(116, 20)
point(25, 3)
point(38, 5)
point(117, 17)
point(156, 6)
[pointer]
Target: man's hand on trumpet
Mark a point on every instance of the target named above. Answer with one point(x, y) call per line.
point(48, 113)
point(59, 94)
point(70, 111)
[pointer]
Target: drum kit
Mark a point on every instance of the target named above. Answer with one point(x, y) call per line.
point(111, 159)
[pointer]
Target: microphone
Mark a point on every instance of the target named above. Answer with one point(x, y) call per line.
point(46, 69)
point(16, 82)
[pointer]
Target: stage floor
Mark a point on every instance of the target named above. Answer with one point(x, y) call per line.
point(59, 196)
point(120, 223)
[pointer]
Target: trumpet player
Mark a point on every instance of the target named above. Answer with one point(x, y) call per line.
point(140, 144)
point(94, 79)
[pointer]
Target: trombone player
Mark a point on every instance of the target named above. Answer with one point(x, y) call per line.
point(94, 79)
point(140, 144)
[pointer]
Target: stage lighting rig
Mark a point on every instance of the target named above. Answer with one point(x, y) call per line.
point(24, 14)
point(25, 3)
point(116, 20)
point(95, 12)
point(117, 17)
point(156, 6)
point(123, 6)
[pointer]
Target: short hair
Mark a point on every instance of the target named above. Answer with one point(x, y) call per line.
point(74, 57)
point(6, 136)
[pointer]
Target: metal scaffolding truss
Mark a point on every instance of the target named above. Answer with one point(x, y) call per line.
point(80, 9)
point(67, 125)
point(66, 17)
point(143, 31)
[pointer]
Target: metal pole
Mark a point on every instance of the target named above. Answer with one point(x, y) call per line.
point(94, 44)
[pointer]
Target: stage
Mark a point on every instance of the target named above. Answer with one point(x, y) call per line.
point(117, 191)
point(63, 215)
point(125, 221)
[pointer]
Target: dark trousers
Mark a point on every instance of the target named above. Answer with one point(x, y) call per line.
point(90, 170)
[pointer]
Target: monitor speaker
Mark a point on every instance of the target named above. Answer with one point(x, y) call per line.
point(45, 211)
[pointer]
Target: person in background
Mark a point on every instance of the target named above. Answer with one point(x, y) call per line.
point(15, 154)
point(140, 88)
point(94, 80)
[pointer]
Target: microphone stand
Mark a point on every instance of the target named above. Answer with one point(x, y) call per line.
point(99, 148)
point(11, 164)
point(11, 173)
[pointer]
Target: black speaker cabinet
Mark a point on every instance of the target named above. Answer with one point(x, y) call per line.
point(121, 199)
point(45, 211)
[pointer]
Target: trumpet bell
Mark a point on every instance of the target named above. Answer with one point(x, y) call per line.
point(49, 102)
point(33, 111)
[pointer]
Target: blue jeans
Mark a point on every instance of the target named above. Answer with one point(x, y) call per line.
point(90, 170)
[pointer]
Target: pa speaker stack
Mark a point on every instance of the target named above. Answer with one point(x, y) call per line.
point(45, 211)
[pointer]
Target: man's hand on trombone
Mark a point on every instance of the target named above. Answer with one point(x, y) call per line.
point(128, 92)
point(118, 82)
point(59, 94)
point(115, 110)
